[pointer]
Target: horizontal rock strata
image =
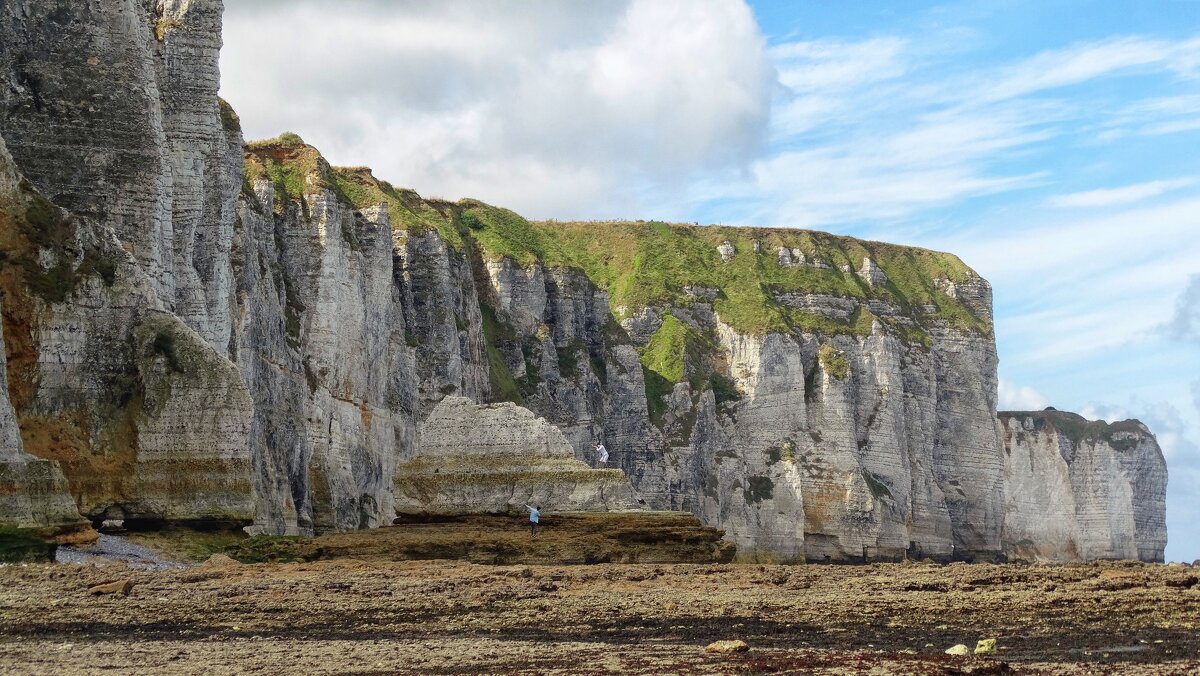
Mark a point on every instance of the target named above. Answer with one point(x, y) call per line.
point(202, 330)
point(496, 458)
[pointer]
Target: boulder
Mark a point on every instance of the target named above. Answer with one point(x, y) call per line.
point(959, 649)
point(221, 561)
point(985, 646)
point(726, 647)
point(112, 526)
point(727, 251)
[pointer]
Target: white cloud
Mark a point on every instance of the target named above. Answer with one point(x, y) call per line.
point(1109, 414)
point(1063, 67)
point(1056, 250)
point(830, 64)
point(1013, 397)
point(1123, 195)
point(1153, 116)
point(554, 109)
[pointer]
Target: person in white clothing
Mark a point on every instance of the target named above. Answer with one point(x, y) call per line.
point(535, 513)
point(601, 454)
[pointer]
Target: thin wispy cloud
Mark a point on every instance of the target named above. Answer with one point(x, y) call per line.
point(1185, 325)
point(911, 136)
point(1129, 194)
point(1057, 68)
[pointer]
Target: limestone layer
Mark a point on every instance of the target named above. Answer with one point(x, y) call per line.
point(497, 458)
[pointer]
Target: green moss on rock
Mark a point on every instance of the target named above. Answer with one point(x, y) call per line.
point(503, 386)
point(267, 549)
point(833, 361)
point(229, 118)
point(24, 545)
point(677, 352)
point(878, 489)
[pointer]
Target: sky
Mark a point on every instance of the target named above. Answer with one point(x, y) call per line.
point(1054, 145)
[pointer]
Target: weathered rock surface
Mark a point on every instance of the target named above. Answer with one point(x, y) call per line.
point(496, 458)
point(33, 491)
point(883, 443)
point(1080, 489)
point(320, 341)
point(218, 332)
point(121, 587)
point(564, 538)
point(144, 418)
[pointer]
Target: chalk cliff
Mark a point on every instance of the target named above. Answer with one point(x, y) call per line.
point(1082, 489)
point(198, 329)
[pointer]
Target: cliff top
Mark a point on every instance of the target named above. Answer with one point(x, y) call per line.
point(743, 271)
point(1079, 429)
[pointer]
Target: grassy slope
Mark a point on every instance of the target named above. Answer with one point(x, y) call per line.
point(644, 263)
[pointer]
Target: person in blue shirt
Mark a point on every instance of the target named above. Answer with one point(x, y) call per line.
point(534, 515)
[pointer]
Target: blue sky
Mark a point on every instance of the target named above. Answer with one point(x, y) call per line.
point(1063, 138)
point(1051, 144)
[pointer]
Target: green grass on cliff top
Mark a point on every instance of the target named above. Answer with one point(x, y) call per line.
point(643, 263)
point(1079, 429)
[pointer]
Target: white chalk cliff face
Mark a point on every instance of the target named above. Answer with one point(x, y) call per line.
point(198, 330)
point(1081, 489)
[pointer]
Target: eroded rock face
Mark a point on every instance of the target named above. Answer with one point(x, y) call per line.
point(110, 110)
point(497, 458)
point(219, 332)
point(1082, 490)
point(144, 418)
point(828, 447)
point(33, 491)
point(321, 344)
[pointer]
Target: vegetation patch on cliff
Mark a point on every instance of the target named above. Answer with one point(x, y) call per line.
point(879, 490)
point(678, 352)
point(642, 263)
point(833, 361)
point(406, 210)
point(503, 386)
point(1122, 435)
